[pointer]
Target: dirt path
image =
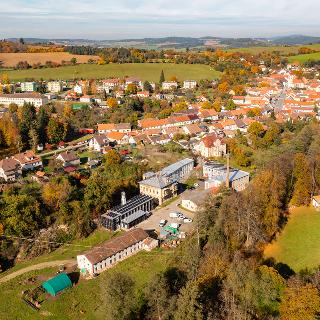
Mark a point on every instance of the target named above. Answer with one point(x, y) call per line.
point(39, 266)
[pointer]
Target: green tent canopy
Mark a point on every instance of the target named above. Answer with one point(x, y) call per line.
point(57, 284)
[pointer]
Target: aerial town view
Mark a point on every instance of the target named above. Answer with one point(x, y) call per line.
point(160, 160)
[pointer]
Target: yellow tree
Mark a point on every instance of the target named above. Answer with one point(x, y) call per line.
point(112, 102)
point(300, 302)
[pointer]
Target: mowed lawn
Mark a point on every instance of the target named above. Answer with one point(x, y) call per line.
point(144, 71)
point(301, 58)
point(82, 301)
point(298, 245)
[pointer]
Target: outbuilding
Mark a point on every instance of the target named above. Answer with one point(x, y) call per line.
point(57, 284)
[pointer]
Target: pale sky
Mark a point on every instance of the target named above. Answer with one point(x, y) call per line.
point(119, 19)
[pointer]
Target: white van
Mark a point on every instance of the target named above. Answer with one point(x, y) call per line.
point(173, 214)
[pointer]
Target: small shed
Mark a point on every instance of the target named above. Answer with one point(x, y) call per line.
point(57, 284)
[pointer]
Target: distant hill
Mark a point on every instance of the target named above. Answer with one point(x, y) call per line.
point(295, 40)
point(180, 42)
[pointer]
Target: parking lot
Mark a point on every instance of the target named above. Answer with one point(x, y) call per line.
point(163, 213)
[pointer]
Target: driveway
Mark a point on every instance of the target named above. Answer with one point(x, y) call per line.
point(39, 266)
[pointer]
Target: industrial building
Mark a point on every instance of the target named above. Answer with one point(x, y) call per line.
point(218, 174)
point(163, 185)
point(129, 213)
point(112, 251)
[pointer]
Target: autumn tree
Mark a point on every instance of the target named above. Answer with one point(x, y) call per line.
point(112, 102)
point(57, 192)
point(230, 105)
point(303, 183)
point(56, 130)
point(118, 297)
point(300, 302)
point(131, 89)
point(112, 157)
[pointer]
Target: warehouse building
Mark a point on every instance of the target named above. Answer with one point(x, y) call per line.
point(112, 251)
point(218, 174)
point(129, 213)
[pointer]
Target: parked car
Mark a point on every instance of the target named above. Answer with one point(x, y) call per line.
point(175, 225)
point(162, 223)
point(187, 220)
point(173, 214)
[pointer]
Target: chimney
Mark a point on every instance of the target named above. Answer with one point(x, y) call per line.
point(228, 171)
point(123, 198)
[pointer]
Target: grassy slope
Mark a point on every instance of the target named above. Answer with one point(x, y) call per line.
point(299, 244)
point(304, 57)
point(82, 301)
point(66, 252)
point(145, 71)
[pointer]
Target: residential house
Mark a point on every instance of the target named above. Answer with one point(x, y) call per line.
point(169, 85)
point(85, 99)
point(211, 146)
point(55, 86)
point(98, 142)
point(118, 137)
point(28, 86)
point(78, 89)
point(28, 160)
point(68, 158)
point(10, 169)
point(189, 84)
point(114, 127)
point(193, 129)
point(143, 94)
point(208, 114)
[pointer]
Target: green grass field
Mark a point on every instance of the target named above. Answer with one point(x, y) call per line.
point(298, 245)
point(145, 71)
point(283, 50)
point(301, 58)
point(82, 301)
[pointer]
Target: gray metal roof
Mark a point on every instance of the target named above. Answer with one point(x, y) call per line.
point(234, 175)
point(176, 166)
point(134, 216)
point(157, 182)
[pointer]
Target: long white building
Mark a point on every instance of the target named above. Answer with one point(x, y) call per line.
point(112, 251)
point(20, 98)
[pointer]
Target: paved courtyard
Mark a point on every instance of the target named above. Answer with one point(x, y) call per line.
point(163, 213)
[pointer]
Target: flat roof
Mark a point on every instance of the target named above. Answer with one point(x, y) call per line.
point(134, 216)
